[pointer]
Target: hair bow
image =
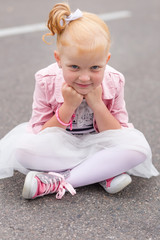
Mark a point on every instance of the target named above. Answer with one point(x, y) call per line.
point(73, 16)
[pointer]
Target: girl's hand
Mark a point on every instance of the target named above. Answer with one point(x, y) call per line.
point(103, 117)
point(94, 98)
point(71, 98)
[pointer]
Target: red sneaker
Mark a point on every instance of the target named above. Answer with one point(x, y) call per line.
point(116, 184)
point(38, 184)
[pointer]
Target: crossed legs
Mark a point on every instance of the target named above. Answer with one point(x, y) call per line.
point(102, 165)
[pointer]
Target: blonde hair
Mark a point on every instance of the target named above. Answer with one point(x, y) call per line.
point(87, 33)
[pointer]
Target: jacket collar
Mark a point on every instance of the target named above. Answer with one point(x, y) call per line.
point(108, 86)
point(58, 86)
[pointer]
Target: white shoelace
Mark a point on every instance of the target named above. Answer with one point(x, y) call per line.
point(55, 183)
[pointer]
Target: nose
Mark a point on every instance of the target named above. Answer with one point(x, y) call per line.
point(84, 77)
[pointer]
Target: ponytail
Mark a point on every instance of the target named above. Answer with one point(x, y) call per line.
point(56, 22)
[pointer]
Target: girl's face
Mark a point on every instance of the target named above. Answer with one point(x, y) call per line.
point(82, 71)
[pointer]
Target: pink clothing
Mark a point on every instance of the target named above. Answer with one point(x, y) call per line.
point(106, 154)
point(48, 96)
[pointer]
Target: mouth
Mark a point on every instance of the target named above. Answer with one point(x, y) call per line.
point(83, 85)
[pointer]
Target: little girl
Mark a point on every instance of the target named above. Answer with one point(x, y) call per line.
point(78, 133)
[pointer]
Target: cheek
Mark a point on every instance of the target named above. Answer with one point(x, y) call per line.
point(98, 78)
point(68, 76)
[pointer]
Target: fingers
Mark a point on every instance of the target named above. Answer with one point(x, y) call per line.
point(94, 97)
point(71, 97)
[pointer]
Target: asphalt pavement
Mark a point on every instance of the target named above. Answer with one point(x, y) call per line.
point(92, 214)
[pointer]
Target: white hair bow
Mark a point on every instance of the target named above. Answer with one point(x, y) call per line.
point(73, 16)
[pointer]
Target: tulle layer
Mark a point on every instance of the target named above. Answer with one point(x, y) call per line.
point(68, 150)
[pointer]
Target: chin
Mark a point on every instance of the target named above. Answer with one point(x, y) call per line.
point(83, 92)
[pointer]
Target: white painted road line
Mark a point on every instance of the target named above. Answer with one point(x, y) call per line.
point(42, 26)
point(22, 29)
point(114, 15)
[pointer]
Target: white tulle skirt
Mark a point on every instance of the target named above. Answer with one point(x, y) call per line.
point(68, 150)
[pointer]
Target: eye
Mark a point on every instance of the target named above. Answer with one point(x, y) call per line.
point(74, 67)
point(95, 67)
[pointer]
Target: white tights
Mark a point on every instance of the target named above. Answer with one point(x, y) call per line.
point(103, 165)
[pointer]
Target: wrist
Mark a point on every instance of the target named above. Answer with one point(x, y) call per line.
point(98, 105)
point(61, 122)
point(68, 109)
point(104, 119)
point(65, 114)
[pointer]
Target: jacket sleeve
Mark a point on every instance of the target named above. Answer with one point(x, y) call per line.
point(118, 109)
point(41, 109)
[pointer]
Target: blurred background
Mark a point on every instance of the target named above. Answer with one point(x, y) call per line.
point(135, 51)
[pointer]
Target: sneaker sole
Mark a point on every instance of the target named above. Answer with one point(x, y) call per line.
point(27, 193)
point(120, 186)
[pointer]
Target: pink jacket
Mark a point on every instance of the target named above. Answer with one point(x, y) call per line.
point(48, 97)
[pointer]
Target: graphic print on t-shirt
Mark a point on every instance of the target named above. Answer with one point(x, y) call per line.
point(83, 121)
